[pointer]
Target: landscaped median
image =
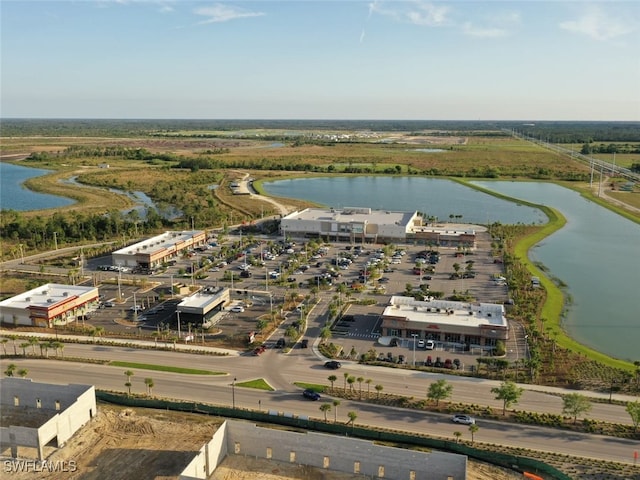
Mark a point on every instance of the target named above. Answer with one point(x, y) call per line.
point(163, 368)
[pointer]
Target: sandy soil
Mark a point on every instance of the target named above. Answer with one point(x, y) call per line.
point(122, 443)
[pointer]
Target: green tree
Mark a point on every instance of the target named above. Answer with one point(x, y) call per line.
point(128, 385)
point(332, 379)
point(346, 378)
point(368, 382)
point(11, 368)
point(24, 347)
point(336, 404)
point(128, 374)
point(324, 408)
point(473, 428)
point(439, 390)
point(4, 342)
point(574, 404)
point(351, 380)
point(23, 372)
point(379, 388)
point(352, 418)
point(150, 384)
point(633, 409)
point(457, 434)
point(509, 393)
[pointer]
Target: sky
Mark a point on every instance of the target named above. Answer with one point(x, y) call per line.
point(332, 59)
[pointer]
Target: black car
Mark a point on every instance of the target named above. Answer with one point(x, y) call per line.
point(281, 343)
point(333, 365)
point(304, 343)
point(311, 395)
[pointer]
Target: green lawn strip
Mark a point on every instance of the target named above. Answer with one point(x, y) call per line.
point(311, 386)
point(163, 368)
point(258, 383)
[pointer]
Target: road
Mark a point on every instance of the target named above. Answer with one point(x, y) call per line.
point(281, 370)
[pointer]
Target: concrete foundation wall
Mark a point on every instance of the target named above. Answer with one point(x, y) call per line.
point(209, 457)
point(326, 452)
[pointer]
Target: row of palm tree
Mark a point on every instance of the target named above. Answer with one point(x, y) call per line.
point(326, 407)
point(12, 370)
point(149, 383)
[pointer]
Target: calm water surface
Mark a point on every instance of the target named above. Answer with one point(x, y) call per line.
point(14, 196)
point(434, 197)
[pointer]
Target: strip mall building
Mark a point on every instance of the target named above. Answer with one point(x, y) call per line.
point(460, 324)
point(157, 250)
point(49, 305)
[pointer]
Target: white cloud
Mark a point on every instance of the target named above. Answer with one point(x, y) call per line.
point(483, 32)
point(223, 13)
point(598, 25)
point(362, 36)
point(416, 13)
point(166, 9)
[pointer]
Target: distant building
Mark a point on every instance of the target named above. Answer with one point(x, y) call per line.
point(354, 224)
point(461, 324)
point(49, 305)
point(364, 225)
point(154, 251)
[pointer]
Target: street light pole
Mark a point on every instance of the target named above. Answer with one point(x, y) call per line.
point(233, 393)
point(414, 335)
point(178, 314)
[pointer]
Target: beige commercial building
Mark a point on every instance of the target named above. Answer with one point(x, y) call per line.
point(157, 250)
point(49, 305)
point(459, 324)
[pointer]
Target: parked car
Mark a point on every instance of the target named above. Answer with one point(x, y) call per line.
point(237, 309)
point(332, 364)
point(136, 308)
point(457, 363)
point(281, 343)
point(448, 364)
point(304, 343)
point(430, 345)
point(259, 350)
point(438, 363)
point(463, 419)
point(310, 394)
point(421, 343)
point(245, 274)
point(109, 304)
point(428, 362)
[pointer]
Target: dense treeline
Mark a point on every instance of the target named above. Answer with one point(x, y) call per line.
point(589, 148)
point(581, 132)
point(99, 151)
point(556, 132)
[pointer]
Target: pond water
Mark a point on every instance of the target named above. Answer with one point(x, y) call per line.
point(14, 196)
point(434, 197)
point(595, 254)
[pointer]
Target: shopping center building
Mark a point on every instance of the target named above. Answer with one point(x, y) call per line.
point(364, 225)
point(155, 251)
point(49, 305)
point(460, 324)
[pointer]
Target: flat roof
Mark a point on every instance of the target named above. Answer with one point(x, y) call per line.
point(353, 214)
point(451, 313)
point(46, 295)
point(159, 242)
point(201, 300)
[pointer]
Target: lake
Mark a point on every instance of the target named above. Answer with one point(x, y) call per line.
point(595, 254)
point(14, 196)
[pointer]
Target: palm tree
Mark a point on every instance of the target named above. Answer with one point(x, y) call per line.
point(352, 419)
point(155, 336)
point(44, 347)
point(368, 382)
point(150, 384)
point(360, 380)
point(336, 404)
point(13, 338)
point(457, 435)
point(11, 368)
point(351, 380)
point(33, 341)
point(24, 347)
point(473, 428)
point(346, 377)
point(128, 385)
point(23, 372)
point(129, 374)
point(324, 408)
point(379, 388)
point(332, 379)
point(4, 342)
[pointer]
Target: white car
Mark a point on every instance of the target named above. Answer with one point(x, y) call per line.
point(463, 419)
point(421, 344)
point(430, 345)
point(237, 309)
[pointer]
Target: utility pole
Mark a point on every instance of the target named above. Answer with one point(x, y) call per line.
point(178, 314)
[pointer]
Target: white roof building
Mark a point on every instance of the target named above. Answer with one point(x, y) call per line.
point(156, 250)
point(350, 223)
point(49, 305)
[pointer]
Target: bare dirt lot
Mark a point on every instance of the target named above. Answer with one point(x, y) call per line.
point(124, 443)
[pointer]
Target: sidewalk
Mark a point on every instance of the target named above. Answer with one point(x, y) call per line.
point(159, 345)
